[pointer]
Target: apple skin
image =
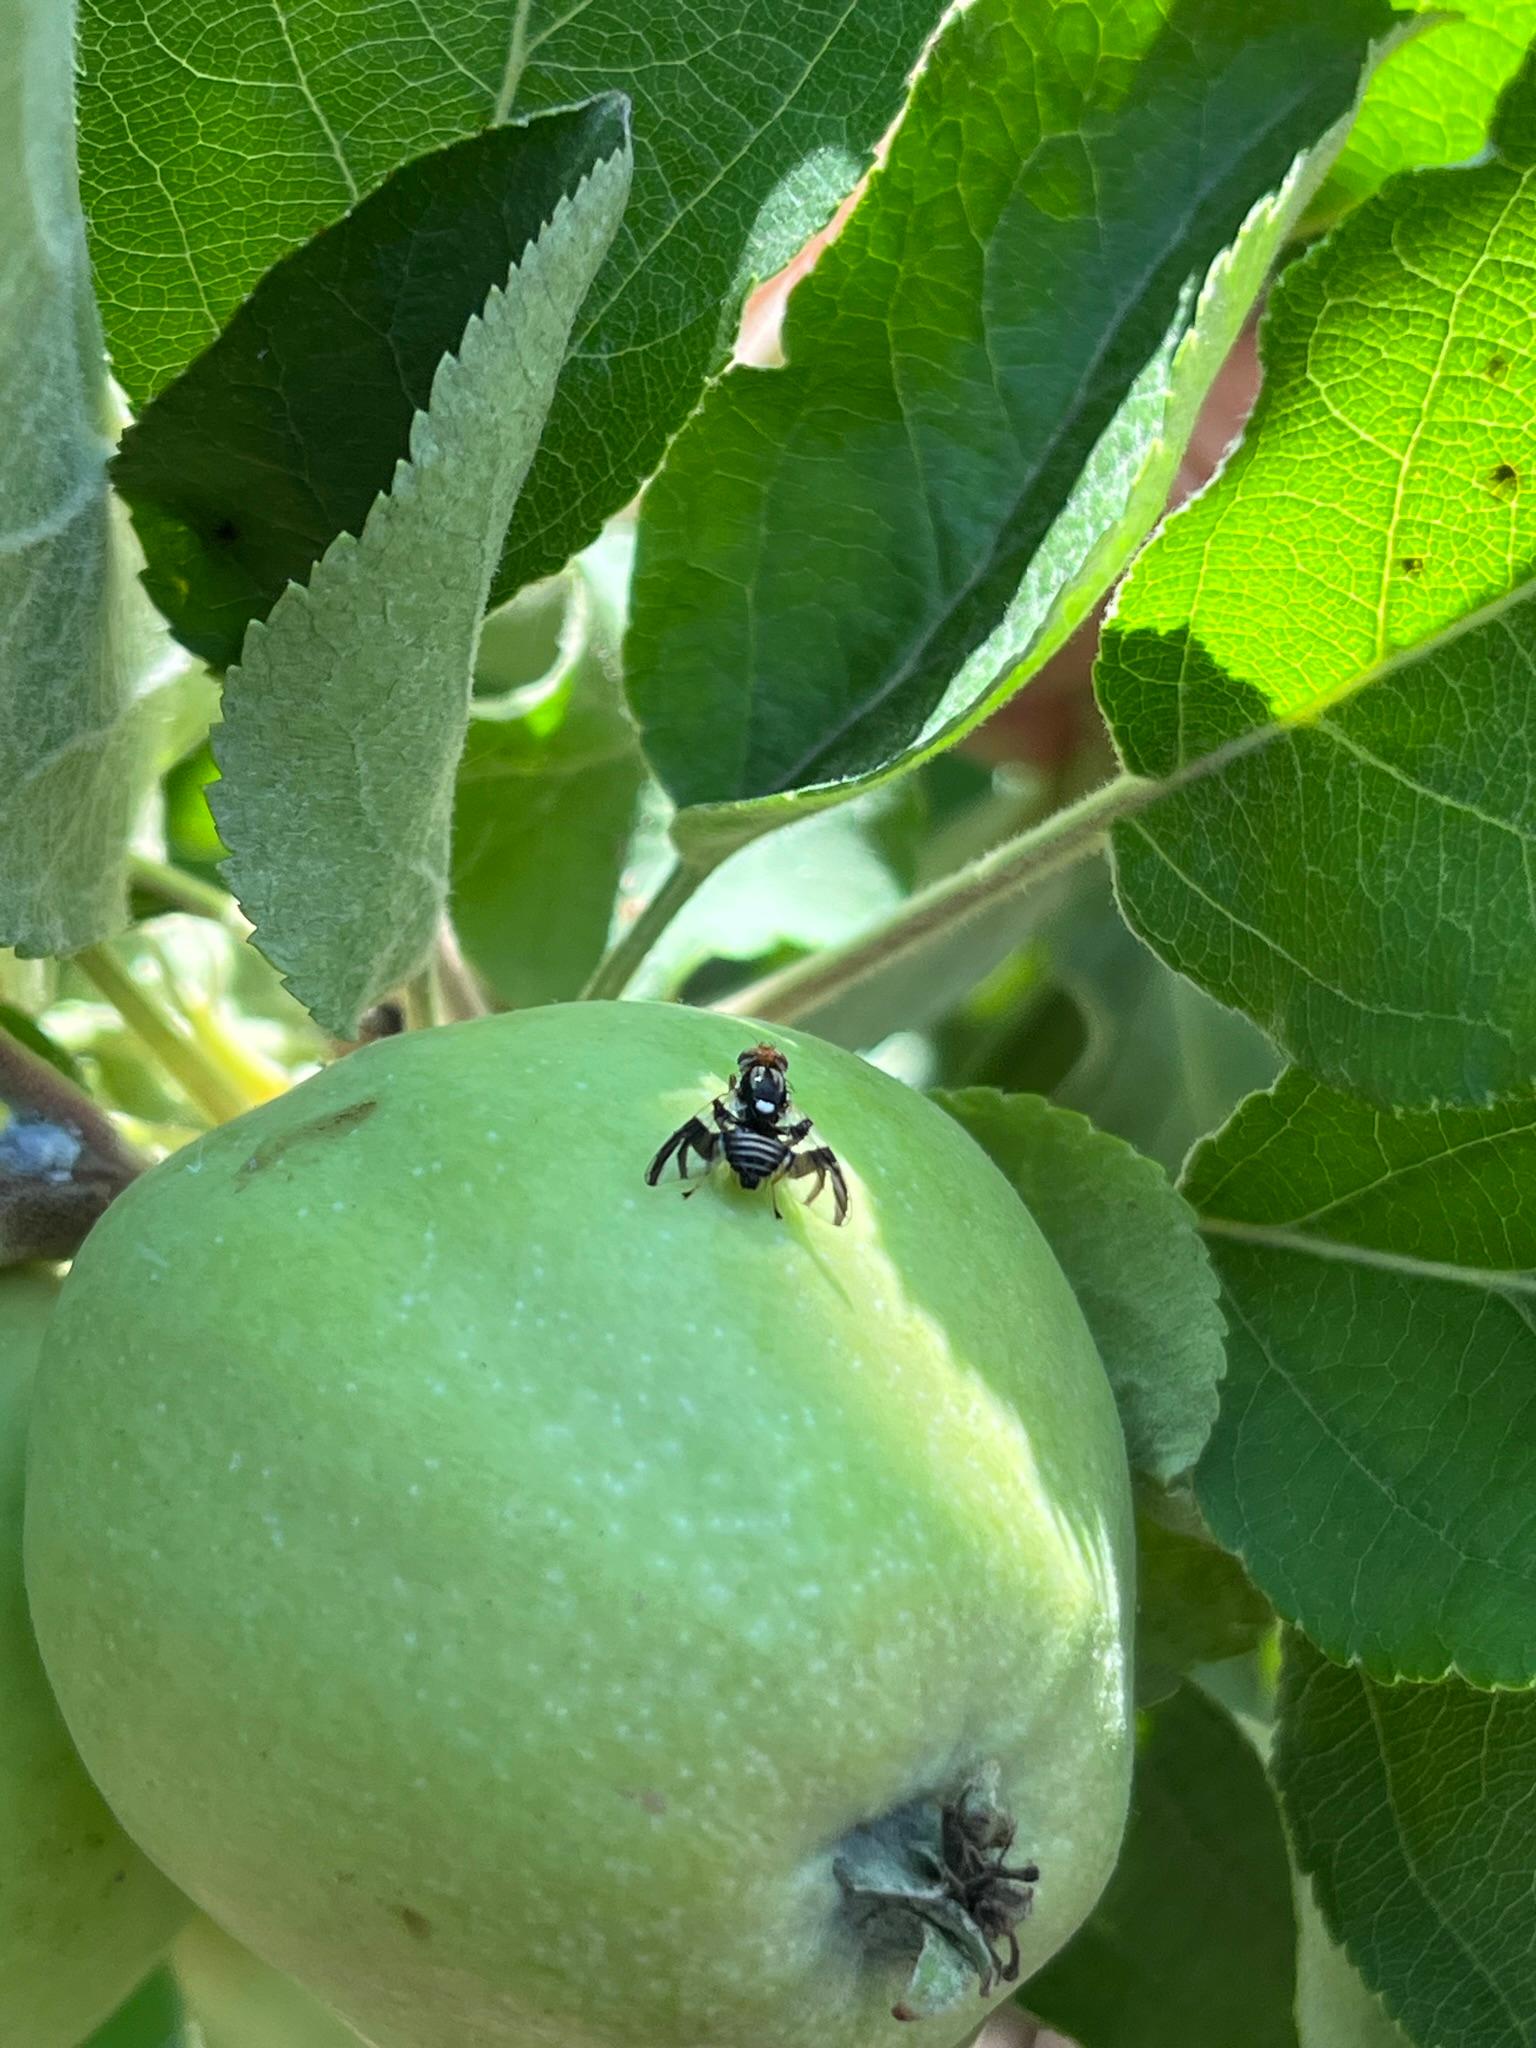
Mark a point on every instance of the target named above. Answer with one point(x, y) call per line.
point(494, 1587)
point(82, 1914)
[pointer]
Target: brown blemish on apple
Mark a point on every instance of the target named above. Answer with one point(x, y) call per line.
point(335, 1124)
point(649, 1798)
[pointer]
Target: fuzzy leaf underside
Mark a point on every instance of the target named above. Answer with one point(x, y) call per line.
point(1128, 1245)
point(1413, 1810)
point(1433, 101)
point(1374, 1463)
point(215, 142)
point(345, 720)
point(77, 641)
point(991, 378)
point(1362, 887)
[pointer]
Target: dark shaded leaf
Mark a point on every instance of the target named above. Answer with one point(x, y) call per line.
point(1374, 1462)
point(1128, 1245)
point(282, 434)
point(216, 142)
point(1193, 1944)
point(344, 723)
point(1413, 1809)
point(993, 371)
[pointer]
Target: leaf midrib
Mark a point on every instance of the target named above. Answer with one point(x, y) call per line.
point(1006, 524)
point(1276, 1237)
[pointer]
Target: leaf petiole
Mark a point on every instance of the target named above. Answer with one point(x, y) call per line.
point(1065, 837)
point(619, 965)
point(185, 1056)
point(178, 890)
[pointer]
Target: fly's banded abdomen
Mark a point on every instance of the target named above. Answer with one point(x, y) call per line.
point(752, 1156)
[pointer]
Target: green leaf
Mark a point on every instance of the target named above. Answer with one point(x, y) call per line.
point(992, 375)
point(78, 685)
point(1413, 1807)
point(1192, 1945)
point(1334, 2006)
point(1194, 1602)
point(822, 881)
point(544, 807)
point(1432, 101)
point(216, 142)
point(283, 432)
point(1128, 1245)
point(1374, 1463)
point(874, 850)
point(154, 2017)
point(346, 717)
point(1360, 886)
point(1163, 1064)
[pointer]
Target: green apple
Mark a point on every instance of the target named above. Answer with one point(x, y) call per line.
point(82, 1915)
point(525, 1605)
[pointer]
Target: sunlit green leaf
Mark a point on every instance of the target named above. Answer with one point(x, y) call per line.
point(1192, 1945)
point(1413, 1808)
point(991, 377)
point(79, 648)
point(281, 434)
point(1433, 100)
point(1361, 887)
point(215, 141)
point(346, 717)
point(1128, 1245)
point(1375, 1459)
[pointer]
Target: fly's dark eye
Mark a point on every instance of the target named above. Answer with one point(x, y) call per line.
point(765, 1088)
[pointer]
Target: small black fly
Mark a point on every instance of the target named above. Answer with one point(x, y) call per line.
point(757, 1134)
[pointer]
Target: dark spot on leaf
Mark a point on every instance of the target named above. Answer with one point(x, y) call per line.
point(224, 531)
point(119, 1877)
point(95, 1841)
point(1504, 480)
point(414, 1922)
point(335, 1124)
point(1411, 565)
point(1496, 369)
